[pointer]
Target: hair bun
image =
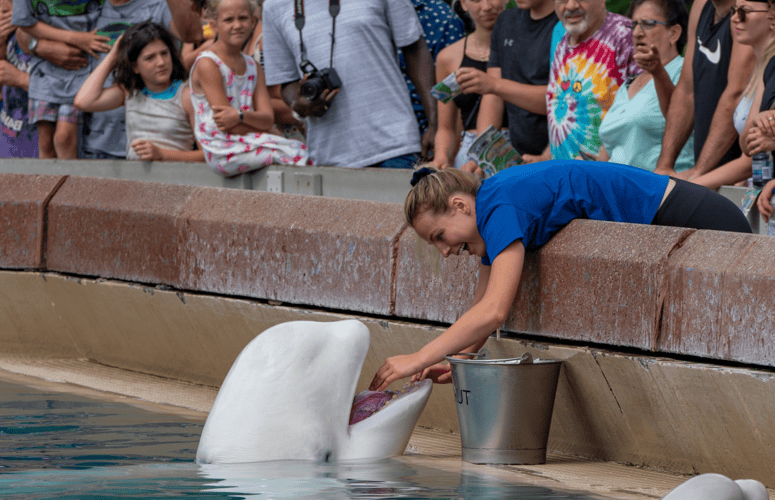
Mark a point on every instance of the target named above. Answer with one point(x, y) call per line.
point(419, 174)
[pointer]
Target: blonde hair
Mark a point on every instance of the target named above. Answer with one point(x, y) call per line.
point(211, 8)
point(432, 191)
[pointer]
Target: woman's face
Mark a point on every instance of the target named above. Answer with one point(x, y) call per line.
point(648, 33)
point(154, 65)
point(233, 22)
point(756, 27)
point(484, 12)
point(453, 232)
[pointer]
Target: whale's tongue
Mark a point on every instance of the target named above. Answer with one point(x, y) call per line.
point(367, 403)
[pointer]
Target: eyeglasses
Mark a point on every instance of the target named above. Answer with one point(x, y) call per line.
point(646, 24)
point(741, 12)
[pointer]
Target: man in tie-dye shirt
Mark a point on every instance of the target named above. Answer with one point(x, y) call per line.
point(591, 62)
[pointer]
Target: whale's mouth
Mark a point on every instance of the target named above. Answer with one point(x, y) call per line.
point(368, 403)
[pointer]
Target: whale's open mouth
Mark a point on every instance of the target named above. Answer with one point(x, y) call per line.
point(367, 403)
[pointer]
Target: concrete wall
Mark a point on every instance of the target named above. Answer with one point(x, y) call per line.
point(659, 289)
point(137, 275)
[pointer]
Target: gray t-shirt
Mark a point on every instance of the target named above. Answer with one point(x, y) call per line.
point(49, 82)
point(371, 120)
point(106, 131)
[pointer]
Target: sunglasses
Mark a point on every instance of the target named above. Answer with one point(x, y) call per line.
point(646, 24)
point(741, 12)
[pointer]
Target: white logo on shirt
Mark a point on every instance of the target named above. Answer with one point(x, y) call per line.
point(508, 43)
point(715, 56)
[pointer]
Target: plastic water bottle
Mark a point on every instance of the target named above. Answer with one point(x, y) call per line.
point(761, 168)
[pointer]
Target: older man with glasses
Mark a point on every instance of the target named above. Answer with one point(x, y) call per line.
point(591, 62)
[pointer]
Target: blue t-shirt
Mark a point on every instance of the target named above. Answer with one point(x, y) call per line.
point(533, 202)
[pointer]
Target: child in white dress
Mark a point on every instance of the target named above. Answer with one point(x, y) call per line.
point(231, 102)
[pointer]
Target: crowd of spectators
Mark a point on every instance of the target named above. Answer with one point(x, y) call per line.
point(243, 83)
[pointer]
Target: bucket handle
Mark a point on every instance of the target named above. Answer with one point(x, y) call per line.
point(484, 353)
point(525, 359)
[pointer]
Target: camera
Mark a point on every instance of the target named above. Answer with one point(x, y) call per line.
point(318, 81)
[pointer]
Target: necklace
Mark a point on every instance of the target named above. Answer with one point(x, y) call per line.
point(478, 53)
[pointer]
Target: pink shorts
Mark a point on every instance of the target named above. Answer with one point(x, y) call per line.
point(52, 112)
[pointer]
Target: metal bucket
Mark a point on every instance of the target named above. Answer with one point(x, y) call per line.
point(504, 407)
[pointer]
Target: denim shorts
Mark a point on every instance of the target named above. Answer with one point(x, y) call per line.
point(44, 111)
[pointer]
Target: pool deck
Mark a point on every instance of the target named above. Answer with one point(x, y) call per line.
point(427, 447)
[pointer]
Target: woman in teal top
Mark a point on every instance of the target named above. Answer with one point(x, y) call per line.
point(632, 129)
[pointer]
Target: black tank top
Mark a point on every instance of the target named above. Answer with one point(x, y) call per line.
point(469, 103)
point(710, 67)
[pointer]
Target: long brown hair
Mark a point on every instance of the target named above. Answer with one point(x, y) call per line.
point(132, 43)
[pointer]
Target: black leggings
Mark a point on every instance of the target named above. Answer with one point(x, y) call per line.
point(694, 206)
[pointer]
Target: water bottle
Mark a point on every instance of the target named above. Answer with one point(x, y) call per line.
point(761, 168)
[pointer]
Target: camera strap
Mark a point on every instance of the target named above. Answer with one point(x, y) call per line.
point(298, 19)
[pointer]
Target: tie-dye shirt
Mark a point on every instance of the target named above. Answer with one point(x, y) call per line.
point(583, 81)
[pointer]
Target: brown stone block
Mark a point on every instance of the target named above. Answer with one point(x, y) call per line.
point(116, 229)
point(597, 281)
point(721, 300)
point(23, 200)
point(309, 250)
point(430, 287)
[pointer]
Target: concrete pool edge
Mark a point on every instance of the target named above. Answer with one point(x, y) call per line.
point(665, 414)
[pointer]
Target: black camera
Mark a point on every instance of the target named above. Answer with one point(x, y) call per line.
point(318, 81)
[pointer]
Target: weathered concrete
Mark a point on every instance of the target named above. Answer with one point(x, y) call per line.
point(305, 250)
point(116, 229)
point(679, 416)
point(721, 299)
point(430, 287)
point(23, 203)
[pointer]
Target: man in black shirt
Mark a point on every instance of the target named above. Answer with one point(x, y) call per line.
point(517, 74)
point(714, 75)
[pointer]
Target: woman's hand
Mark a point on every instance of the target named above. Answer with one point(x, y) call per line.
point(147, 151)
point(759, 142)
point(545, 156)
point(765, 122)
point(225, 117)
point(648, 58)
point(474, 81)
point(395, 368)
point(763, 202)
point(90, 42)
point(439, 373)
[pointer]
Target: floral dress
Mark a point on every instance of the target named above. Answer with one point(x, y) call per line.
point(231, 154)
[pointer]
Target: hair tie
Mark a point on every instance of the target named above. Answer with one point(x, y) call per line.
point(419, 174)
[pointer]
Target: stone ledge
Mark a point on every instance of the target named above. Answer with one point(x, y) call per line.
point(23, 203)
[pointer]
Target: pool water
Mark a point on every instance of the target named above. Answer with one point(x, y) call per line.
point(67, 446)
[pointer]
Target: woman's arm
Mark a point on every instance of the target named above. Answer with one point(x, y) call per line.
point(92, 96)
point(727, 174)
point(12, 76)
point(472, 328)
point(446, 141)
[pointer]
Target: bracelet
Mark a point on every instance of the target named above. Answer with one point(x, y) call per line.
point(241, 116)
point(297, 116)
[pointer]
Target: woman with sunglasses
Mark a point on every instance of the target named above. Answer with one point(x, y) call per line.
point(632, 129)
point(750, 23)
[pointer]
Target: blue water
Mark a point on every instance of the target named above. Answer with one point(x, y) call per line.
point(65, 446)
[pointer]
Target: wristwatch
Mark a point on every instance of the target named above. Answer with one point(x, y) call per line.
point(33, 45)
point(241, 116)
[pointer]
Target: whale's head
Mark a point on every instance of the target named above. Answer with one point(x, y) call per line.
point(289, 396)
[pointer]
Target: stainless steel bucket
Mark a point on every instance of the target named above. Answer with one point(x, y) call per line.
point(504, 407)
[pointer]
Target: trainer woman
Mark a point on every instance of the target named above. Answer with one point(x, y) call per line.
point(522, 208)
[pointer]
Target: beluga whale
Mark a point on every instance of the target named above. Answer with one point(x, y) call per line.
point(290, 396)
